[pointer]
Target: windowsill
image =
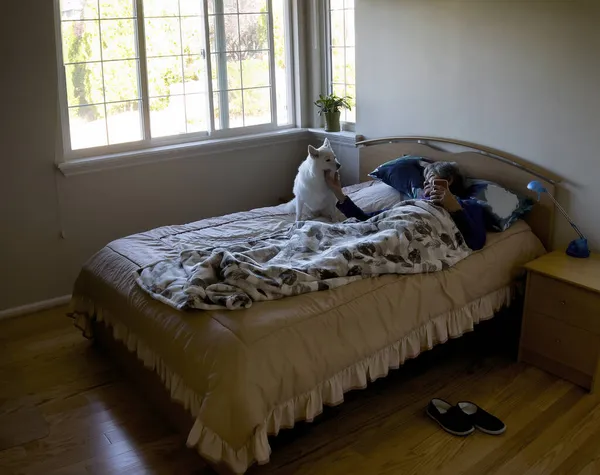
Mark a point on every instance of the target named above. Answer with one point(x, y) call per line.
point(344, 137)
point(179, 151)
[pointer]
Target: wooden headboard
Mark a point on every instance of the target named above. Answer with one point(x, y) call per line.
point(475, 161)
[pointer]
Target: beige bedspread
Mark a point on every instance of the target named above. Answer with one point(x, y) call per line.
point(248, 373)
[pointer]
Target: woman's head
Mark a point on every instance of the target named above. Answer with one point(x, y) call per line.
point(448, 171)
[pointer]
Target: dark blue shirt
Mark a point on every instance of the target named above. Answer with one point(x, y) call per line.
point(470, 221)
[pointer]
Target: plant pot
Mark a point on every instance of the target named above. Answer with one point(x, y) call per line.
point(332, 121)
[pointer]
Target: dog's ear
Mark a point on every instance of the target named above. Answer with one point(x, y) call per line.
point(326, 143)
point(313, 152)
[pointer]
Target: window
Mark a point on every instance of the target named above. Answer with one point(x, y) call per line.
point(141, 73)
point(341, 53)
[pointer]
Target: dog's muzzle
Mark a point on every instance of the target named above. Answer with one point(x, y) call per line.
point(338, 166)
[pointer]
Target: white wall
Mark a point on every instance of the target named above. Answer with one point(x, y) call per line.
point(37, 202)
point(521, 76)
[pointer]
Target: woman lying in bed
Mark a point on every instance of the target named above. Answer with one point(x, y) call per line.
point(468, 214)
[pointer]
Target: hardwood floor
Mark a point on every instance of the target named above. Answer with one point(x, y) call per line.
point(93, 421)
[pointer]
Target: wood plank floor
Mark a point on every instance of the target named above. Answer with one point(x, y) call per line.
point(98, 424)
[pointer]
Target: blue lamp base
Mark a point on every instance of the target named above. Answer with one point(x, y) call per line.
point(578, 248)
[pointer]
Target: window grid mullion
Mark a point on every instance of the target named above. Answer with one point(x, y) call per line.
point(272, 75)
point(143, 68)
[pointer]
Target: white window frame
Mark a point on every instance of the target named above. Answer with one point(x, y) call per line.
point(67, 154)
point(349, 126)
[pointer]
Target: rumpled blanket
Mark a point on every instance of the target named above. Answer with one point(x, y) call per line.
point(410, 238)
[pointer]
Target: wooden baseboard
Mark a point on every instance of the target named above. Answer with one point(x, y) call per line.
point(34, 307)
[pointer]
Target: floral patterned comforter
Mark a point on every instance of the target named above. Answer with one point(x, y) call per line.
point(413, 237)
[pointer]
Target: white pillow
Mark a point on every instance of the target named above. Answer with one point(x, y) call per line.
point(373, 196)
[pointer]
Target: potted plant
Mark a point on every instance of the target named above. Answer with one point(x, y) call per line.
point(330, 106)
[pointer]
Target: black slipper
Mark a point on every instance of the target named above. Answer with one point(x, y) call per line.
point(481, 419)
point(450, 418)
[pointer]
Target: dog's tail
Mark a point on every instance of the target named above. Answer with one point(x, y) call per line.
point(290, 206)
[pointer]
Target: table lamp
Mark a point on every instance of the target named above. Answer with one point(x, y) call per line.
point(577, 247)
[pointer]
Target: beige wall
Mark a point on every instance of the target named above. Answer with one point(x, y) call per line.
point(37, 202)
point(520, 75)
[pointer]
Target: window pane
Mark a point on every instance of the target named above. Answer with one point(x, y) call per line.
point(197, 112)
point(163, 37)
point(124, 122)
point(167, 116)
point(164, 76)
point(118, 39)
point(84, 84)
point(349, 4)
point(349, 24)
point(87, 127)
point(78, 9)
point(217, 110)
point(350, 67)
point(351, 115)
point(257, 106)
point(337, 28)
point(191, 32)
point(157, 8)
point(336, 4)
point(230, 78)
point(116, 8)
point(340, 90)
point(190, 7)
point(236, 116)
point(254, 32)
point(252, 6)
point(232, 34)
point(81, 41)
point(255, 69)
point(212, 38)
point(338, 65)
point(194, 74)
point(121, 80)
point(229, 6)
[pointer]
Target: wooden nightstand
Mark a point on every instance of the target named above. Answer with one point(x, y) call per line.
point(561, 321)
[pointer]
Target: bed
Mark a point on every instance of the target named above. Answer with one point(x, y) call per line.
point(235, 377)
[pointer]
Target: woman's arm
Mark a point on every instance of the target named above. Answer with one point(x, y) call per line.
point(345, 204)
point(468, 215)
point(470, 221)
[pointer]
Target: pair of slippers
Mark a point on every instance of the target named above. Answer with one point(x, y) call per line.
point(463, 418)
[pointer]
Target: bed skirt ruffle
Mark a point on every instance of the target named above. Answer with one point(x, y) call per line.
point(303, 407)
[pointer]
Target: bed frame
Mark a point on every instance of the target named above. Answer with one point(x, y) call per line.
point(478, 161)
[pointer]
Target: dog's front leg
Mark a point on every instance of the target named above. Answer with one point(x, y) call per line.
point(330, 213)
point(299, 206)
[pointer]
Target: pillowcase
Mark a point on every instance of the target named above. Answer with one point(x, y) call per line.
point(374, 196)
point(503, 206)
point(404, 174)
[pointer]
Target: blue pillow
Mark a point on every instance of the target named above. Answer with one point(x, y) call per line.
point(404, 174)
point(502, 206)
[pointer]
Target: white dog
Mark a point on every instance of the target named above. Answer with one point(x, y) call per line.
point(310, 188)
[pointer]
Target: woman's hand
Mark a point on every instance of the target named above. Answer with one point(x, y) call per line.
point(335, 185)
point(441, 196)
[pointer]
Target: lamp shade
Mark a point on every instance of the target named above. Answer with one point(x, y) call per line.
point(537, 187)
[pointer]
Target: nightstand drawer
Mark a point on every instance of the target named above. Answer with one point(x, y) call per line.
point(566, 302)
point(561, 342)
